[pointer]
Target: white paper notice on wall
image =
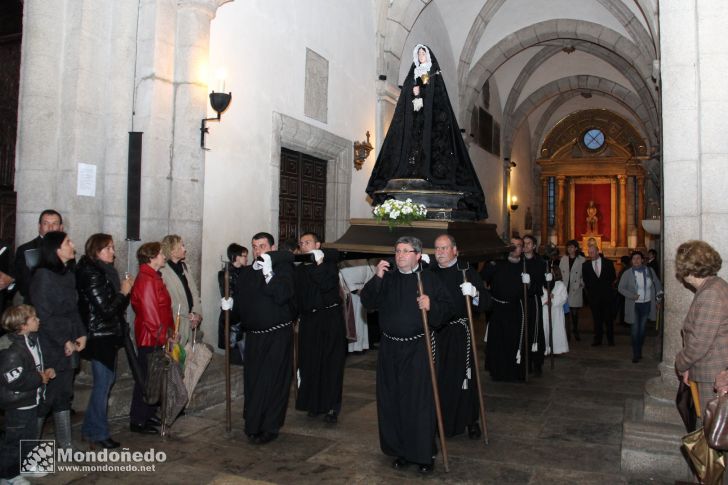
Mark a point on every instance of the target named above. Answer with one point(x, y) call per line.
point(86, 185)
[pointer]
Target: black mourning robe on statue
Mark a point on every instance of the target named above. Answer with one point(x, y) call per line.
point(427, 144)
point(261, 307)
point(321, 337)
point(505, 323)
point(405, 403)
point(455, 376)
point(536, 267)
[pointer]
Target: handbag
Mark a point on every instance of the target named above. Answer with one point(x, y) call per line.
point(707, 463)
point(715, 422)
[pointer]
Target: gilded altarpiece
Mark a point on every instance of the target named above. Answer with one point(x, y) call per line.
point(594, 155)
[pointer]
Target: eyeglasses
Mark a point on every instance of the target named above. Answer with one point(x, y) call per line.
point(404, 251)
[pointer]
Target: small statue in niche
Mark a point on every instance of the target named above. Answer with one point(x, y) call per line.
point(592, 221)
point(528, 223)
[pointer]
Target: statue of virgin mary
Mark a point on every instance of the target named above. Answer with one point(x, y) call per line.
point(424, 140)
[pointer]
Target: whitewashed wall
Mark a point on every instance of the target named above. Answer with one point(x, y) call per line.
point(262, 47)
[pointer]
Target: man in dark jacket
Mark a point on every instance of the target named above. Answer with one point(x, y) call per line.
point(599, 276)
point(49, 220)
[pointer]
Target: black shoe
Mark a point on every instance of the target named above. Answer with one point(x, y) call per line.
point(331, 417)
point(400, 463)
point(253, 437)
point(108, 443)
point(311, 414)
point(474, 431)
point(596, 344)
point(635, 359)
point(143, 428)
point(426, 468)
point(154, 421)
point(611, 344)
point(265, 437)
point(576, 336)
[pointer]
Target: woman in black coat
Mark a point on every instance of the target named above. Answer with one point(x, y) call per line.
point(102, 301)
point(53, 293)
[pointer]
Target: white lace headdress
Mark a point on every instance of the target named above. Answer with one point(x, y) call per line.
point(420, 69)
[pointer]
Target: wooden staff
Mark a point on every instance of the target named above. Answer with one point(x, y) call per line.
point(526, 348)
point(474, 347)
point(228, 390)
point(433, 375)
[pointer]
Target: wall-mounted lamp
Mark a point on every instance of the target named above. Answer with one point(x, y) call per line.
point(219, 102)
point(361, 152)
point(514, 203)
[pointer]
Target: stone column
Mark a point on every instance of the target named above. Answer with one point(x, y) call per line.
point(640, 211)
point(544, 211)
point(560, 209)
point(190, 106)
point(622, 239)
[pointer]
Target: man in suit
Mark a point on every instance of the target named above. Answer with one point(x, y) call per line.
point(49, 220)
point(599, 276)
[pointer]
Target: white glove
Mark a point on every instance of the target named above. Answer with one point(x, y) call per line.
point(226, 304)
point(266, 265)
point(425, 258)
point(469, 290)
point(318, 255)
point(525, 278)
point(549, 276)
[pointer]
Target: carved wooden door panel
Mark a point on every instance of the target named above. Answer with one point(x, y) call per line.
point(302, 195)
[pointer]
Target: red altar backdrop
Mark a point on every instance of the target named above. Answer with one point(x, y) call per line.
point(601, 194)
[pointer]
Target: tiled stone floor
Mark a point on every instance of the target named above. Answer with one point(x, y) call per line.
point(564, 427)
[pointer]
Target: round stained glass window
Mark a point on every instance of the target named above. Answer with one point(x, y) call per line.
point(593, 139)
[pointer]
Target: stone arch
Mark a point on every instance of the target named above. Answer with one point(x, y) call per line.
point(548, 32)
point(621, 12)
point(577, 84)
point(395, 24)
point(597, 51)
point(337, 151)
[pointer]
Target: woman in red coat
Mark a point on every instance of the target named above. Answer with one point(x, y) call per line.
point(153, 326)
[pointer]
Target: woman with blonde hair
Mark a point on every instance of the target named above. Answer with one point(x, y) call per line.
point(705, 328)
point(181, 286)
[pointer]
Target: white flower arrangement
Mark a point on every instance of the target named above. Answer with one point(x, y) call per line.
point(397, 212)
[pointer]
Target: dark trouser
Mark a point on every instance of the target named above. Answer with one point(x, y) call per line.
point(574, 312)
point(603, 319)
point(20, 424)
point(641, 313)
point(140, 411)
point(58, 394)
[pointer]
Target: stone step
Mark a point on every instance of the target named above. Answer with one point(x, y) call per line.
point(651, 449)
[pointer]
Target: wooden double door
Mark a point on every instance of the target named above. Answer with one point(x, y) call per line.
point(302, 198)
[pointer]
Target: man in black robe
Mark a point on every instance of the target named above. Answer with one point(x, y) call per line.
point(455, 376)
point(504, 350)
point(405, 403)
point(264, 304)
point(536, 267)
point(322, 333)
